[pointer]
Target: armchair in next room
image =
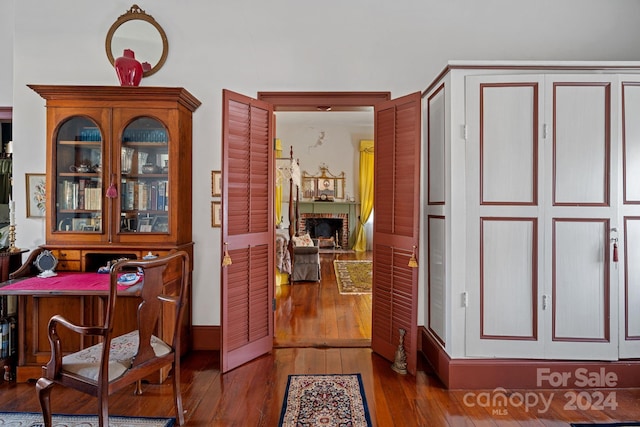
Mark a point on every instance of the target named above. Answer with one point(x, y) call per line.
point(306, 260)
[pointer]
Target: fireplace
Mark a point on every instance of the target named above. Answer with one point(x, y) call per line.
point(325, 227)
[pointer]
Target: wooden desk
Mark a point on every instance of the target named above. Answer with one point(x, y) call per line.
point(9, 262)
point(80, 297)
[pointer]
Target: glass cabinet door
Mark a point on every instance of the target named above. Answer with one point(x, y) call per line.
point(78, 172)
point(144, 172)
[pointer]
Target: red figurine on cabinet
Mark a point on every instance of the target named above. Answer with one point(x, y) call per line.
point(128, 69)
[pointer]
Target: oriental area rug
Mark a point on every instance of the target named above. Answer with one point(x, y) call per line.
point(353, 277)
point(34, 419)
point(325, 400)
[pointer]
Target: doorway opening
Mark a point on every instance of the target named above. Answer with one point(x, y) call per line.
point(315, 314)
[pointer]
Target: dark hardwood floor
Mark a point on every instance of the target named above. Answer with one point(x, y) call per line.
point(312, 314)
point(252, 394)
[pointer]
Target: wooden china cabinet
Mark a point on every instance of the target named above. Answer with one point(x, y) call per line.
point(118, 180)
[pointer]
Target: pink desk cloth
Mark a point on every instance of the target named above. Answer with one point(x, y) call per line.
point(66, 282)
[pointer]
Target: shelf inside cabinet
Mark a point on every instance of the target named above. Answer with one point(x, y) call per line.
point(86, 143)
point(145, 144)
point(80, 174)
point(146, 175)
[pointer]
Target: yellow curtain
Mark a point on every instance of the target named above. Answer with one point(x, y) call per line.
point(279, 181)
point(366, 192)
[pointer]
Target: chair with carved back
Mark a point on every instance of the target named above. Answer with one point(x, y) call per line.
point(120, 361)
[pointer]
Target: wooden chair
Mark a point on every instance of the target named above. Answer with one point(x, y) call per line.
point(120, 361)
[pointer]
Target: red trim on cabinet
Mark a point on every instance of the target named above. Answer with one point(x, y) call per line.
point(606, 281)
point(607, 144)
point(534, 280)
point(440, 339)
point(625, 200)
point(627, 336)
point(479, 374)
point(437, 91)
point(534, 136)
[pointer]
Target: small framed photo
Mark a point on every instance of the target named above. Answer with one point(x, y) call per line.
point(36, 194)
point(216, 214)
point(145, 224)
point(81, 224)
point(161, 224)
point(216, 183)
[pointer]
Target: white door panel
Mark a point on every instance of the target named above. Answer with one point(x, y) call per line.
point(580, 295)
point(629, 235)
point(632, 300)
point(508, 287)
point(580, 210)
point(503, 151)
point(580, 143)
point(507, 144)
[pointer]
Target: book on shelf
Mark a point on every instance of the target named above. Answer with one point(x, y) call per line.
point(93, 199)
point(70, 193)
point(144, 196)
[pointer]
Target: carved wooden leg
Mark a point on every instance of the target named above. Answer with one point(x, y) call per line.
point(103, 409)
point(43, 389)
point(138, 390)
point(177, 394)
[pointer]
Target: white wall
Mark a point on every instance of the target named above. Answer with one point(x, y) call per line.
point(331, 138)
point(254, 45)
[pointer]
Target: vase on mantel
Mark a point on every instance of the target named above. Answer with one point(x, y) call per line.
point(128, 69)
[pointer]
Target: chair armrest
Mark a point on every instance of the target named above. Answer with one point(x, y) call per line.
point(168, 298)
point(302, 250)
point(53, 368)
point(83, 330)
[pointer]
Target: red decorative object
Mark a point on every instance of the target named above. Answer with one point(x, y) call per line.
point(128, 69)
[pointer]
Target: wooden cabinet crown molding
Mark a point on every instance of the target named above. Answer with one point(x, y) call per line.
point(117, 93)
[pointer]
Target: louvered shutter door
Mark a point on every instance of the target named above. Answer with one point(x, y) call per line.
point(396, 226)
point(247, 230)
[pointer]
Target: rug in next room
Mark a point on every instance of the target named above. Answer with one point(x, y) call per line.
point(353, 277)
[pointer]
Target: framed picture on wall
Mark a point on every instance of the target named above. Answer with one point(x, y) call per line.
point(216, 214)
point(216, 183)
point(36, 194)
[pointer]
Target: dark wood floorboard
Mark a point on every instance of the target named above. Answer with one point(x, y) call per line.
point(311, 339)
point(315, 314)
point(252, 394)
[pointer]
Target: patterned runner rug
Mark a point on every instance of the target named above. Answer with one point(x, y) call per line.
point(34, 419)
point(354, 277)
point(325, 400)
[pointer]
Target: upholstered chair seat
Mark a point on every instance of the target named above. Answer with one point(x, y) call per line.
point(86, 363)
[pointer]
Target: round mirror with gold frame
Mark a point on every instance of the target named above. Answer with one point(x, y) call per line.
point(142, 34)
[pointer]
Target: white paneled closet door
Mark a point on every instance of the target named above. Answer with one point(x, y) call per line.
point(503, 210)
point(541, 204)
point(629, 231)
point(580, 283)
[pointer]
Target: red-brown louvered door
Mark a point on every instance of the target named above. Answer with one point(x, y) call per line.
point(396, 226)
point(247, 230)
